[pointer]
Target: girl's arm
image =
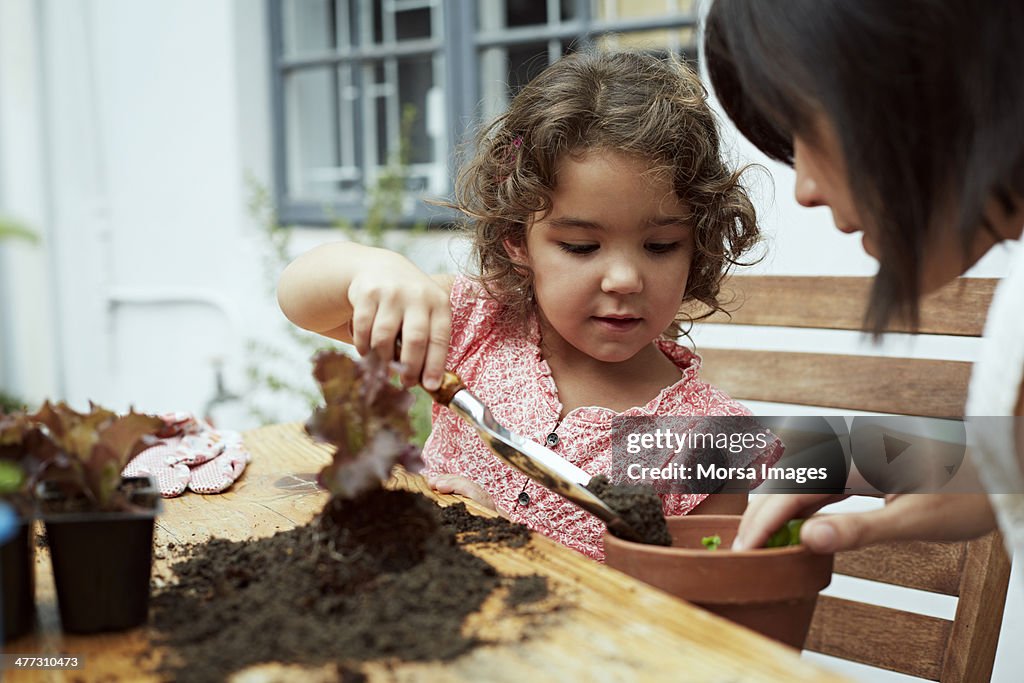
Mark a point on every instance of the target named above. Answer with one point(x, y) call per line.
point(368, 297)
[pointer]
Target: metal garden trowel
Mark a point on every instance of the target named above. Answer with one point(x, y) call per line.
point(544, 466)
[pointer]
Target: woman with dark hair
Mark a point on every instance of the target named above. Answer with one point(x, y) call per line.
point(907, 120)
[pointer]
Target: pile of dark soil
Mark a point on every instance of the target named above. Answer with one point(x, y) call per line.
point(382, 577)
point(639, 507)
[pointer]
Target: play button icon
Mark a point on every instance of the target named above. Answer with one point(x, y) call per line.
point(902, 454)
point(893, 447)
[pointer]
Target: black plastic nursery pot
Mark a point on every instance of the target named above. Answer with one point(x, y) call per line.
point(101, 565)
point(17, 572)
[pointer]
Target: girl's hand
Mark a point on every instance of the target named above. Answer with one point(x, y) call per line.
point(368, 296)
point(397, 298)
point(459, 485)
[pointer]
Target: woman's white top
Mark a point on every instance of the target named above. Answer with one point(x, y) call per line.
point(995, 384)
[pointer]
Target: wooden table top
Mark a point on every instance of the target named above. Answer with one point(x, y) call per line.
point(607, 626)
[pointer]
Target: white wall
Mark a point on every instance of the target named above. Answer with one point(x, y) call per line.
point(28, 358)
point(139, 126)
point(135, 125)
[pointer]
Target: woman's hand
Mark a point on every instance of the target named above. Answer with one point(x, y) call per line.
point(909, 516)
point(461, 486)
point(398, 299)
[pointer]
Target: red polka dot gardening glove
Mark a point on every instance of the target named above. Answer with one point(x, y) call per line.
point(191, 454)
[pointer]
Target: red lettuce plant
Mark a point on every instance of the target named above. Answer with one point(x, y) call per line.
point(84, 453)
point(366, 418)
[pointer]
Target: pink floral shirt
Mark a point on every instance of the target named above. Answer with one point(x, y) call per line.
point(501, 364)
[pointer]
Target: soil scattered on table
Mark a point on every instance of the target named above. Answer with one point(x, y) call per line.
point(382, 577)
point(639, 507)
point(476, 529)
point(527, 589)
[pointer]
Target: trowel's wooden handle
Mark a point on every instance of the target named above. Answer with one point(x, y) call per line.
point(450, 385)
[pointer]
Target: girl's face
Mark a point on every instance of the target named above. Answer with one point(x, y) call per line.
point(610, 259)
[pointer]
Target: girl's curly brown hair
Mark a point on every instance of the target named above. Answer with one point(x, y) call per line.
point(630, 102)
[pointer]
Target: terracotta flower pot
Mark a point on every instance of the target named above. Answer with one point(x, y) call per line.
point(772, 591)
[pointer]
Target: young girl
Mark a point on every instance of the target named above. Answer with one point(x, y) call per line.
point(598, 204)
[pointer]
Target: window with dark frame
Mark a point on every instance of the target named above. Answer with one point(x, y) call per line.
point(353, 79)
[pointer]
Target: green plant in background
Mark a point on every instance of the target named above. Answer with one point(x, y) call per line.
point(13, 230)
point(272, 368)
point(18, 462)
point(386, 196)
point(269, 366)
point(10, 229)
point(10, 403)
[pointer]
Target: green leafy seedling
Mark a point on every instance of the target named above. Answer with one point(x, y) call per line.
point(11, 478)
point(788, 534)
point(711, 542)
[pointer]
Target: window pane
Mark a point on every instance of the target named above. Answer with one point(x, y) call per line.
point(415, 79)
point(348, 24)
point(349, 176)
point(377, 90)
point(682, 41)
point(631, 9)
point(380, 111)
point(504, 70)
point(310, 133)
point(343, 123)
point(377, 18)
point(525, 12)
point(412, 24)
point(308, 26)
point(524, 63)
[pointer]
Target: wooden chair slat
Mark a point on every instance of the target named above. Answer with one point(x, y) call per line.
point(838, 303)
point(977, 571)
point(971, 653)
point(879, 636)
point(932, 388)
point(928, 566)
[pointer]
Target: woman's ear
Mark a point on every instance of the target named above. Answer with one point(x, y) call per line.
point(516, 249)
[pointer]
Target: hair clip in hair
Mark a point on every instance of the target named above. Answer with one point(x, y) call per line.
point(510, 157)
